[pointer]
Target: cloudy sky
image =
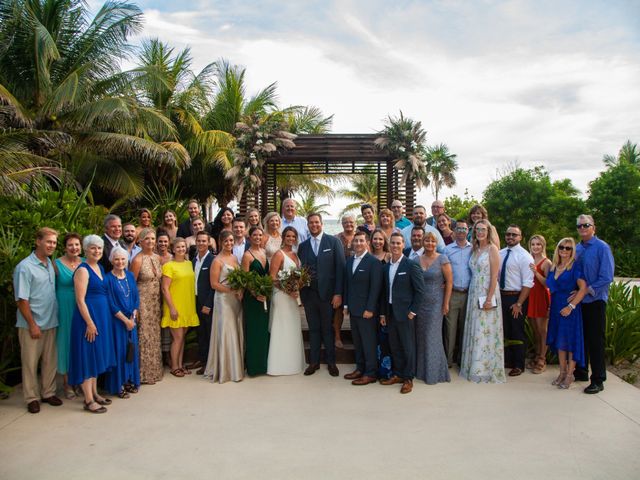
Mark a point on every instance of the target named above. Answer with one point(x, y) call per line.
point(538, 82)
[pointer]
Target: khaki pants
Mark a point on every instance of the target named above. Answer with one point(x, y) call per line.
point(33, 351)
point(454, 323)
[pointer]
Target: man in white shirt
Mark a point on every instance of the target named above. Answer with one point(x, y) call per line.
point(240, 242)
point(129, 238)
point(416, 249)
point(290, 219)
point(515, 281)
point(420, 220)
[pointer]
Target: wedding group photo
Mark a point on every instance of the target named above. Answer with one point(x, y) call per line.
point(199, 265)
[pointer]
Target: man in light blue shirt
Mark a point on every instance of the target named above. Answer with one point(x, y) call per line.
point(398, 215)
point(290, 219)
point(420, 220)
point(459, 253)
point(34, 284)
point(596, 260)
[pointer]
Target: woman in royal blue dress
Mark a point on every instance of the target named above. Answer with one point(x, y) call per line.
point(91, 351)
point(565, 320)
point(124, 300)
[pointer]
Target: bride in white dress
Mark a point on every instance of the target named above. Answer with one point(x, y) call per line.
point(286, 347)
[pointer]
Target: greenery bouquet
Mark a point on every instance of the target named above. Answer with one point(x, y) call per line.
point(260, 286)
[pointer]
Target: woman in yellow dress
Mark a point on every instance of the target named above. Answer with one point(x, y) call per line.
point(179, 305)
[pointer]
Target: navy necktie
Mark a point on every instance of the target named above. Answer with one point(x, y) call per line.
point(503, 270)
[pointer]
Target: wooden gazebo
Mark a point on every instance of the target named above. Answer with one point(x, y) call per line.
point(335, 154)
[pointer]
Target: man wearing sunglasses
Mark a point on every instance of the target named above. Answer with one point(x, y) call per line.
point(597, 264)
point(515, 280)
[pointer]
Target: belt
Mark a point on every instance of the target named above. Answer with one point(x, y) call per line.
point(509, 293)
point(460, 290)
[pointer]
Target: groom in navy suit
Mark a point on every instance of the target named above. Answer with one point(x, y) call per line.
point(362, 284)
point(323, 255)
point(403, 294)
point(204, 297)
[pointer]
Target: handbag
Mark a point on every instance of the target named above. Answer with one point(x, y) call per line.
point(131, 350)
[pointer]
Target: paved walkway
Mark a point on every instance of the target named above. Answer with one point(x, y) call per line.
point(322, 427)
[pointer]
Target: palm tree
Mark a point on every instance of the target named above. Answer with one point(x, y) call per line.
point(309, 120)
point(629, 153)
point(308, 204)
point(60, 85)
point(440, 168)
point(364, 189)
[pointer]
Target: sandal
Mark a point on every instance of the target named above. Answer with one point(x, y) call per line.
point(87, 407)
point(533, 362)
point(560, 378)
point(177, 372)
point(123, 394)
point(566, 383)
point(102, 400)
point(186, 371)
point(69, 393)
point(130, 388)
point(540, 367)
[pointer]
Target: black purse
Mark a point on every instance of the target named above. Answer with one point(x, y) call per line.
point(131, 350)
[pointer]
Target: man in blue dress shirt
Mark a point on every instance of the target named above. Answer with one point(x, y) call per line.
point(596, 260)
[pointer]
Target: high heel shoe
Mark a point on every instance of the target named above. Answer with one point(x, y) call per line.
point(566, 383)
point(560, 378)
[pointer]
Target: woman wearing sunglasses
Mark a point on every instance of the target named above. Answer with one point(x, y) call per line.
point(565, 320)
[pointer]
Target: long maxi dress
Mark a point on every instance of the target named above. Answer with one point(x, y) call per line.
point(256, 324)
point(90, 359)
point(431, 366)
point(149, 318)
point(286, 348)
point(123, 297)
point(226, 348)
point(66, 297)
point(482, 341)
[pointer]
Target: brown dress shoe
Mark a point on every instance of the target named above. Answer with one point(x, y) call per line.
point(333, 370)
point(33, 406)
point(407, 386)
point(53, 401)
point(364, 380)
point(515, 372)
point(311, 369)
point(391, 381)
point(353, 375)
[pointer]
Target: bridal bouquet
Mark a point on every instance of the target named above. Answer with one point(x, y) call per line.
point(260, 286)
point(292, 280)
point(237, 279)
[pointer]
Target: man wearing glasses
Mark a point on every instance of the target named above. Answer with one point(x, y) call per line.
point(596, 260)
point(398, 215)
point(515, 280)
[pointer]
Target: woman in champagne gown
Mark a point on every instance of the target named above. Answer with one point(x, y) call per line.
point(286, 347)
point(226, 348)
point(482, 342)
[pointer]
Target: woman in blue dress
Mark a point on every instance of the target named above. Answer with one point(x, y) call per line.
point(565, 320)
point(91, 351)
point(124, 300)
point(65, 266)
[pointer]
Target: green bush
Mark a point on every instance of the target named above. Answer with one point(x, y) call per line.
point(65, 211)
point(622, 339)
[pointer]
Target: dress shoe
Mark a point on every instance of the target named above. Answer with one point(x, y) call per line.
point(33, 406)
point(594, 388)
point(515, 372)
point(53, 401)
point(391, 381)
point(364, 380)
point(407, 386)
point(311, 369)
point(353, 375)
point(333, 370)
point(194, 365)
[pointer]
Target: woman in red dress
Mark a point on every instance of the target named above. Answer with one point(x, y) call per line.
point(539, 301)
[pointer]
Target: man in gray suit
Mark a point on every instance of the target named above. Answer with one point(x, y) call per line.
point(323, 255)
point(362, 284)
point(403, 294)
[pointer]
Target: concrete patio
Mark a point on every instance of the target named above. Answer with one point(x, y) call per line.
point(322, 427)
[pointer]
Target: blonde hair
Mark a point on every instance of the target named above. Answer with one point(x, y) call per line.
point(430, 235)
point(556, 257)
point(541, 239)
point(474, 241)
point(268, 217)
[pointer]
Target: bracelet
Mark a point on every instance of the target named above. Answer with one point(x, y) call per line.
point(571, 306)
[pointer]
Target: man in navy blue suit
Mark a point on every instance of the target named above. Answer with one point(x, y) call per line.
point(362, 284)
point(403, 294)
point(204, 297)
point(323, 255)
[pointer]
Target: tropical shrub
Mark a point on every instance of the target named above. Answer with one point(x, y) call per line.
point(622, 338)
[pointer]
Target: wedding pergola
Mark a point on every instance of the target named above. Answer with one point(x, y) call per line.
point(335, 154)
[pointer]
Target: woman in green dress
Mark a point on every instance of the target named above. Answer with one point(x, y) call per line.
point(256, 316)
point(65, 266)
